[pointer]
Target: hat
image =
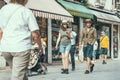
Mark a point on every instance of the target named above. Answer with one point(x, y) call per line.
point(64, 21)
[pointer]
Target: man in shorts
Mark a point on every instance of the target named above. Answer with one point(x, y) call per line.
point(104, 45)
point(88, 37)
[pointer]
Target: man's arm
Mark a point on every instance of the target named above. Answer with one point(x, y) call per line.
point(95, 36)
point(37, 38)
point(1, 33)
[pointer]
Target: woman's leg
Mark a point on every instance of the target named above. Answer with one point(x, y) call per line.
point(66, 60)
point(63, 60)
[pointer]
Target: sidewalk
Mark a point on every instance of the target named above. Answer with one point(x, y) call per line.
point(110, 71)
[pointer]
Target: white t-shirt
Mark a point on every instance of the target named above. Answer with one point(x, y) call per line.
point(17, 32)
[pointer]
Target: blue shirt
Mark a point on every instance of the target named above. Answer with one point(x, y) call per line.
point(17, 31)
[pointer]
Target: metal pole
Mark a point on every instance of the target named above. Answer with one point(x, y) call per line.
point(49, 41)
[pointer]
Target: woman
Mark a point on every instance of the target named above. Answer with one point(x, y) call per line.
point(64, 38)
point(17, 24)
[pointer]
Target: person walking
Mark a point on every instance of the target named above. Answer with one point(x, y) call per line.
point(64, 38)
point(88, 37)
point(104, 45)
point(72, 50)
point(17, 28)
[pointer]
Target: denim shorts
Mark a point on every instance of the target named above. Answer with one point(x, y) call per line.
point(104, 51)
point(65, 48)
point(88, 51)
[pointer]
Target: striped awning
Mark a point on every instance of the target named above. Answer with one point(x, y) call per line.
point(51, 15)
point(48, 9)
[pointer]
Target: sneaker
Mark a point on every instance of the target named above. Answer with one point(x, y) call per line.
point(86, 72)
point(104, 62)
point(46, 69)
point(66, 71)
point(63, 72)
point(91, 68)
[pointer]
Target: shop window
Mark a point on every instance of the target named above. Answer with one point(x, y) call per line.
point(56, 56)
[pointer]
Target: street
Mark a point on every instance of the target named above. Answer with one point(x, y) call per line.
point(110, 71)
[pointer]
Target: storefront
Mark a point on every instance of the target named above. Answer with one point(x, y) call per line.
point(109, 23)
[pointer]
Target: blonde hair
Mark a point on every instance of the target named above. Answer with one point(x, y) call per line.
point(22, 2)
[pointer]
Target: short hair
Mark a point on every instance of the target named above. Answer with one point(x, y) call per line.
point(22, 2)
point(87, 20)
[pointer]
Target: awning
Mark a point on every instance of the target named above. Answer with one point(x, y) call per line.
point(48, 9)
point(106, 17)
point(76, 9)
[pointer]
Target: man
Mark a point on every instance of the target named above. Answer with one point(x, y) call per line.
point(88, 37)
point(104, 45)
point(17, 24)
point(72, 50)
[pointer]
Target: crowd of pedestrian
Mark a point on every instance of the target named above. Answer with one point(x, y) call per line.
point(87, 48)
point(19, 33)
